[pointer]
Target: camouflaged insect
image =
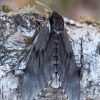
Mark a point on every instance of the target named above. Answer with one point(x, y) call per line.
point(51, 54)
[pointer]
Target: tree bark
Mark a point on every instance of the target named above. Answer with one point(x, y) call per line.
point(15, 40)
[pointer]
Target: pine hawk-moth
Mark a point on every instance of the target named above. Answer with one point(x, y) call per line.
point(51, 53)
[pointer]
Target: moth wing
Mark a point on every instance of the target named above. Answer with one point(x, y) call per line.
point(67, 71)
point(39, 69)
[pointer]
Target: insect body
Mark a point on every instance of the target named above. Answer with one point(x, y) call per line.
point(51, 54)
point(56, 52)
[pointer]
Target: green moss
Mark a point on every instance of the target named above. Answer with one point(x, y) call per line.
point(89, 22)
point(6, 8)
point(36, 33)
point(23, 51)
point(28, 41)
point(16, 54)
point(84, 19)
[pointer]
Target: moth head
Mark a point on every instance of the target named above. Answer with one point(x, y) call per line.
point(56, 22)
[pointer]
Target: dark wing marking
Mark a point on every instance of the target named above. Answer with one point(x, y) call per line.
point(39, 69)
point(67, 69)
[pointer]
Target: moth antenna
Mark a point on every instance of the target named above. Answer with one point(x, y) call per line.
point(44, 5)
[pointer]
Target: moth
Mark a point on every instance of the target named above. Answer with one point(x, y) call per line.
point(51, 54)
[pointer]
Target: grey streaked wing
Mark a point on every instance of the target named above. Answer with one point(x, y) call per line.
point(39, 68)
point(37, 75)
point(67, 69)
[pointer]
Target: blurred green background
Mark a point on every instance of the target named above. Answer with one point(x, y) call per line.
point(69, 8)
